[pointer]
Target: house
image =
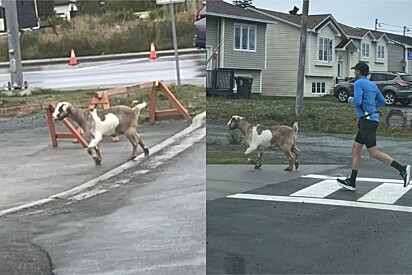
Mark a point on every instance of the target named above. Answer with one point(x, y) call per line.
point(329, 54)
point(374, 47)
point(65, 8)
point(400, 53)
point(236, 40)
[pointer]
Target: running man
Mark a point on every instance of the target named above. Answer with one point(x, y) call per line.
point(367, 98)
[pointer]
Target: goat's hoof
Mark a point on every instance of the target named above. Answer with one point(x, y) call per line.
point(257, 166)
point(296, 165)
point(97, 161)
point(132, 157)
point(288, 169)
point(146, 152)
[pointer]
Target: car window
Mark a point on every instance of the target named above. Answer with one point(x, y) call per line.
point(378, 77)
point(390, 77)
point(406, 77)
point(371, 77)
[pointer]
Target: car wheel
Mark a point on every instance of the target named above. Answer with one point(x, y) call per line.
point(405, 102)
point(390, 98)
point(343, 95)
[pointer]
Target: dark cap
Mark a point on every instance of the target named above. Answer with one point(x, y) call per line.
point(362, 67)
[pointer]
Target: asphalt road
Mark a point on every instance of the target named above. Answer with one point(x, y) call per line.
point(269, 222)
point(153, 223)
point(103, 74)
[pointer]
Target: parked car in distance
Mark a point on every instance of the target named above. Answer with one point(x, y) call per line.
point(395, 87)
point(200, 27)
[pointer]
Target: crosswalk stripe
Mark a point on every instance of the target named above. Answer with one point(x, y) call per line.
point(318, 190)
point(385, 193)
point(312, 176)
point(380, 206)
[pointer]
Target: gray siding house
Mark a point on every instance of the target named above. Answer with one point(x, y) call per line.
point(236, 40)
point(399, 52)
point(328, 54)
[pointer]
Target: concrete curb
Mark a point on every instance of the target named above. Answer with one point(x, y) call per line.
point(80, 59)
point(198, 122)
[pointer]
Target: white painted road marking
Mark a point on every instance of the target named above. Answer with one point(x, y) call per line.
point(385, 193)
point(319, 190)
point(357, 179)
point(382, 197)
point(389, 207)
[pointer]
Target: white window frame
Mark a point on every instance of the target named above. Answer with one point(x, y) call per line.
point(209, 51)
point(369, 50)
point(340, 69)
point(242, 26)
point(325, 47)
point(319, 86)
point(382, 51)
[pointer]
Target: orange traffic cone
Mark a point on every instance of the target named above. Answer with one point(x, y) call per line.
point(73, 59)
point(153, 54)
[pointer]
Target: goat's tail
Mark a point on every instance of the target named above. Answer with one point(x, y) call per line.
point(139, 106)
point(136, 109)
point(295, 129)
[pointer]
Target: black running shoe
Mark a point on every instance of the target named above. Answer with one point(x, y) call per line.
point(346, 183)
point(406, 175)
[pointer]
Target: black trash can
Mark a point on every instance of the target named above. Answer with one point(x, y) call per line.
point(244, 86)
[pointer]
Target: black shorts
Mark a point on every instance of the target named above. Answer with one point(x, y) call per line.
point(367, 132)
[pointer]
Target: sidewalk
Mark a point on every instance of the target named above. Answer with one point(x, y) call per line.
point(31, 169)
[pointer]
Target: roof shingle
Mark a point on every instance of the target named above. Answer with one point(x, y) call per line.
point(222, 8)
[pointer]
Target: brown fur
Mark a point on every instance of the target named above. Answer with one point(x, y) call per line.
point(283, 138)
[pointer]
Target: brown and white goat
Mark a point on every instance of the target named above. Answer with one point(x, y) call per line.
point(97, 123)
point(259, 137)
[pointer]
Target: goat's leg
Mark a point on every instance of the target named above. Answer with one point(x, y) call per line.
point(289, 155)
point(140, 142)
point(246, 155)
point(297, 153)
point(259, 160)
point(132, 137)
point(93, 149)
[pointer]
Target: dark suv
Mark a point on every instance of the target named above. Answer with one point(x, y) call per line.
point(200, 27)
point(393, 85)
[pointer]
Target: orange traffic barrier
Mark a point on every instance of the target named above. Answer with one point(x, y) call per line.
point(73, 133)
point(153, 54)
point(73, 59)
point(178, 110)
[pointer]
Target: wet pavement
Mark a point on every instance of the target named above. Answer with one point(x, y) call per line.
point(31, 169)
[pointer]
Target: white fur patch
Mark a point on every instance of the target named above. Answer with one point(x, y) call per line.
point(57, 109)
point(106, 127)
point(259, 141)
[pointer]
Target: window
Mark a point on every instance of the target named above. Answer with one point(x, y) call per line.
point(318, 88)
point(365, 50)
point(381, 52)
point(325, 49)
point(245, 37)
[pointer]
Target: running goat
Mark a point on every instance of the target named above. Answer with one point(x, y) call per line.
point(97, 123)
point(259, 137)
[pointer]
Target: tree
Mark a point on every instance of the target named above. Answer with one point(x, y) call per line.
point(243, 3)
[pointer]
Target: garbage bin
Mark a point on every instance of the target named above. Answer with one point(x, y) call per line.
point(244, 86)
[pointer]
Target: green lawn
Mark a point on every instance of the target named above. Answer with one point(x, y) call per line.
point(325, 114)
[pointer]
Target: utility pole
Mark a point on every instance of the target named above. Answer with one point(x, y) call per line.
point(13, 36)
point(172, 18)
point(302, 59)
